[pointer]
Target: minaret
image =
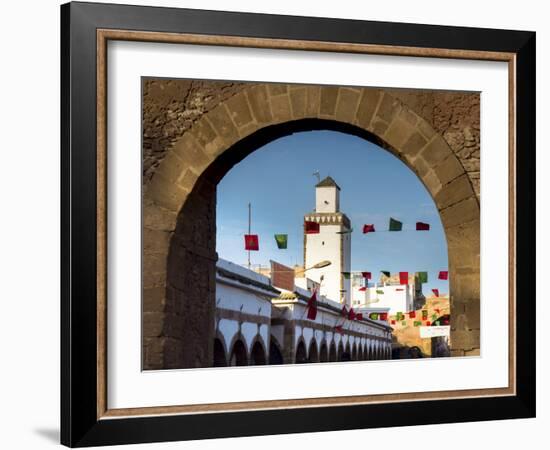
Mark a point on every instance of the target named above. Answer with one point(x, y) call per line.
point(332, 243)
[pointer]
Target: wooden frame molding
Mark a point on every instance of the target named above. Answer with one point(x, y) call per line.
point(103, 36)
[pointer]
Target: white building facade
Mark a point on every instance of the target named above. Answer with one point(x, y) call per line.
point(332, 243)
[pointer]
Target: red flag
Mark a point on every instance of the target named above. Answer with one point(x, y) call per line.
point(368, 228)
point(351, 314)
point(359, 316)
point(311, 227)
point(428, 323)
point(363, 288)
point(338, 329)
point(436, 292)
point(312, 306)
point(383, 316)
point(403, 277)
point(367, 275)
point(421, 226)
point(412, 314)
point(344, 311)
point(251, 242)
point(393, 322)
point(443, 275)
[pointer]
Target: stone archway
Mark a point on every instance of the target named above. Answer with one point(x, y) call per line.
point(179, 201)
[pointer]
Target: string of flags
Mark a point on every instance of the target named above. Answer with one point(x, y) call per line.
point(251, 241)
point(395, 225)
point(351, 315)
point(403, 277)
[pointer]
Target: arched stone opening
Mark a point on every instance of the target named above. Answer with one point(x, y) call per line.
point(219, 354)
point(313, 354)
point(275, 354)
point(238, 354)
point(179, 205)
point(301, 355)
point(332, 355)
point(257, 354)
point(323, 353)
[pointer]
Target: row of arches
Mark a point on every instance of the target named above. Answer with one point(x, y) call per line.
point(340, 353)
point(238, 356)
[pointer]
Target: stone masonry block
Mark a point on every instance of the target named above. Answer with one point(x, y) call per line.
point(449, 169)
point(459, 213)
point(280, 107)
point(367, 105)
point(153, 324)
point(259, 103)
point(223, 125)
point(389, 108)
point(329, 95)
point(398, 133)
point(298, 99)
point(412, 146)
point(154, 299)
point(313, 94)
point(190, 152)
point(454, 192)
point(432, 183)
point(157, 218)
point(436, 151)
point(165, 193)
point(277, 89)
point(239, 110)
point(346, 105)
point(464, 339)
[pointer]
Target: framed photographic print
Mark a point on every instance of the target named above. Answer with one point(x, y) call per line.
point(277, 224)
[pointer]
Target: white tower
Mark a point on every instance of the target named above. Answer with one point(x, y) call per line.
point(332, 243)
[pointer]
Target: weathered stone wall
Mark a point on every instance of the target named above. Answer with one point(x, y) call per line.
point(188, 128)
point(456, 117)
point(170, 107)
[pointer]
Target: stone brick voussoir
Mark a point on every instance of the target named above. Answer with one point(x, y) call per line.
point(329, 96)
point(258, 100)
point(239, 110)
point(454, 192)
point(346, 104)
point(298, 101)
point(465, 211)
point(367, 106)
point(280, 108)
point(220, 119)
point(436, 151)
point(449, 169)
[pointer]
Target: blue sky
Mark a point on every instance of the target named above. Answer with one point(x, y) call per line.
point(278, 181)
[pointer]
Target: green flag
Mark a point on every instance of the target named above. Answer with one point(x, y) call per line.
point(282, 240)
point(346, 275)
point(385, 273)
point(400, 315)
point(422, 277)
point(374, 316)
point(417, 323)
point(379, 291)
point(434, 317)
point(395, 225)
